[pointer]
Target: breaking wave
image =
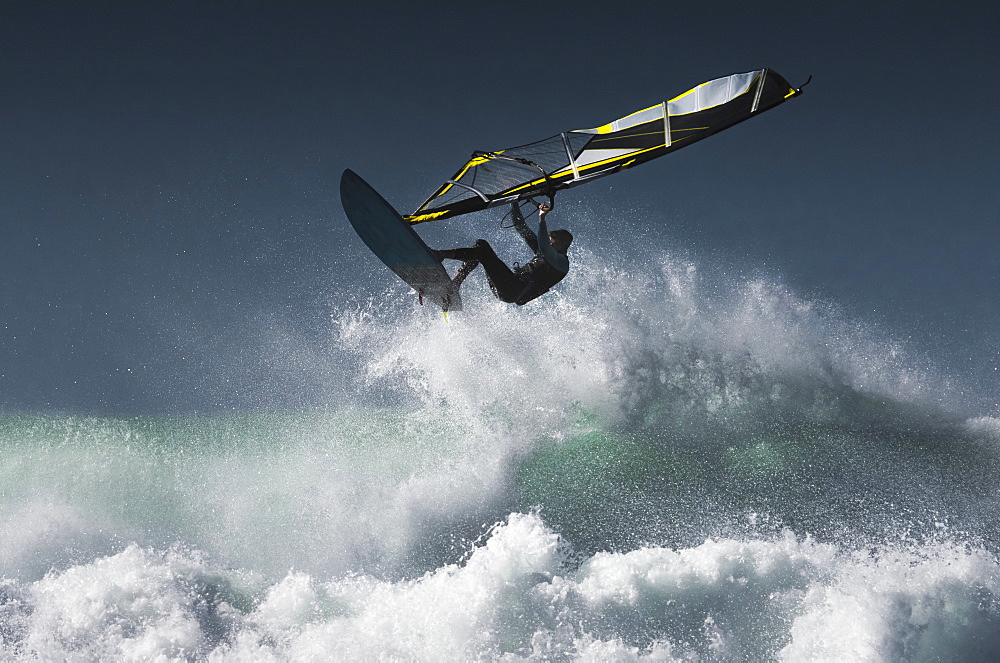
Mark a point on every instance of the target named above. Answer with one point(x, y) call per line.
point(657, 464)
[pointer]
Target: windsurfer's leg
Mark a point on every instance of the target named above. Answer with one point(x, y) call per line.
point(463, 272)
point(455, 254)
point(504, 282)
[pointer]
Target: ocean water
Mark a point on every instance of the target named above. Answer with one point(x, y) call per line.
point(656, 464)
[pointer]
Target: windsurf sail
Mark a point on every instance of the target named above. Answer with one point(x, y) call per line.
point(574, 157)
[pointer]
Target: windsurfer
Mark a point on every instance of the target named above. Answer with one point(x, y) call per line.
point(523, 283)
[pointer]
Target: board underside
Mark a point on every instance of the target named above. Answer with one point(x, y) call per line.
point(395, 243)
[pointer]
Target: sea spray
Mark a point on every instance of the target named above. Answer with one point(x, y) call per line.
point(657, 464)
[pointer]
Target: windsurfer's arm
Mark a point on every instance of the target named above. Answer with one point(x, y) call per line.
point(551, 256)
point(522, 228)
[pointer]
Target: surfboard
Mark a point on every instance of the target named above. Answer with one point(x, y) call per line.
point(395, 243)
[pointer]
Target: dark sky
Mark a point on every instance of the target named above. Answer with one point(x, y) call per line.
point(173, 239)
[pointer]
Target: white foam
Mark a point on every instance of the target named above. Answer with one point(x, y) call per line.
point(136, 605)
point(518, 599)
point(938, 602)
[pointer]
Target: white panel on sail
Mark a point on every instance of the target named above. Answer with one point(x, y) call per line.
point(712, 93)
point(593, 156)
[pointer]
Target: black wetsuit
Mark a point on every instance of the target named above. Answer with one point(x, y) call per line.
point(527, 282)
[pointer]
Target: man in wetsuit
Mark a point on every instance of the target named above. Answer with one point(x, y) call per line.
point(524, 283)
